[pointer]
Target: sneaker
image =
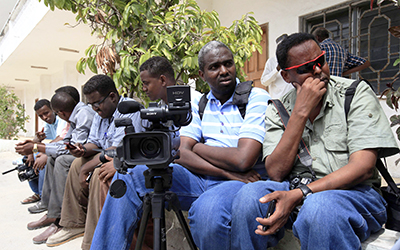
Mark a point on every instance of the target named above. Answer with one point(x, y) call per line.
point(37, 208)
point(64, 235)
point(31, 199)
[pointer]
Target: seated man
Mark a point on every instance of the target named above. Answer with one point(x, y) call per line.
point(231, 148)
point(81, 206)
point(342, 207)
point(80, 117)
point(52, 130)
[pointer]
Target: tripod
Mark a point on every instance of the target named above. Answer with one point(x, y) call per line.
point(160, 180)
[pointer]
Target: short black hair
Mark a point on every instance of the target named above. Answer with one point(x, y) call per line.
point(71, 90)
point(100, 83)
point(207, 48)
point(157, 66)
point(62, 101)
point(321, 33)
point(42, 102)
point(288, 43)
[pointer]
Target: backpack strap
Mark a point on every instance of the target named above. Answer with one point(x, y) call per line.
point(241, 96)
point(303, 154)
point(350, 94)
point(202, 105)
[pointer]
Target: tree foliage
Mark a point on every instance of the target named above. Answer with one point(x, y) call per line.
point(133, 31)
point(12, 115)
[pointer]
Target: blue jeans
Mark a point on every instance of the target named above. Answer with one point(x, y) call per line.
point(334, 219)
point(37, 184)
point(119, 217)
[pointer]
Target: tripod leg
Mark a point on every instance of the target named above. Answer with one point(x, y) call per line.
point(145, 219)
point(158, 205)
point(175, 205)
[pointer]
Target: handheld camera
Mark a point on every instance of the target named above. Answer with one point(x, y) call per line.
point(25, 172)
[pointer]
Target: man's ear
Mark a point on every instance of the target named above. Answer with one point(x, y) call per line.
point(285, 76)
point(163, 80)
point(114, 96)
point(201, 74)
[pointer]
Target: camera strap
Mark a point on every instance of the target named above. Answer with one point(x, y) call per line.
point(303, 153)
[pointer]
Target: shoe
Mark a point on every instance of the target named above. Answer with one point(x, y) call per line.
point(43, 222)
point(64, 235)
point(37, 208)
point(42, 238)
point(31, 199)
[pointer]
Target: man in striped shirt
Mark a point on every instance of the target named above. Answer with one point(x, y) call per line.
point(209, 173)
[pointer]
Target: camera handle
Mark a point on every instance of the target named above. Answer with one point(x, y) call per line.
point(160, 180)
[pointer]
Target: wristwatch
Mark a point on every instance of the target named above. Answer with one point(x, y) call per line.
point(305, 190)
point(35, 149)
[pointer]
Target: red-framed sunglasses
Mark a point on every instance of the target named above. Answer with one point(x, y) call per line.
point(309, 67)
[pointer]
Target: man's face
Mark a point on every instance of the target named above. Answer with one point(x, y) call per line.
point(219, 71)
point(104, 105)
point(46, 114)
point(297, 55)
point(154, 87)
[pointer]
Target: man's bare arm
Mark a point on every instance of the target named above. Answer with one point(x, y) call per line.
point(356, 69)
point(238, 159)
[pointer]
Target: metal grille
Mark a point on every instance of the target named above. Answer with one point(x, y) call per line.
point(363, 32)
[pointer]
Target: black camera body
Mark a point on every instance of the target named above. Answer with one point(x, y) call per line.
point(25, 172)
point(159, 145)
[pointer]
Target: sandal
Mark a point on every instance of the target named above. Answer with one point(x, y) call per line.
point(31, 199)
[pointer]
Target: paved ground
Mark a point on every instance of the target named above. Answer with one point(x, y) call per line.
point(14, 217)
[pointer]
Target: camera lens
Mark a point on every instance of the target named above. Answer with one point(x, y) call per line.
point(150, 147)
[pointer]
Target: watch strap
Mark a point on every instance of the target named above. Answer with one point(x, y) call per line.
point(305, 190)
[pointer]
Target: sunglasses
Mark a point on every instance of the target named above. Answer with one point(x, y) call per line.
point(309, 67)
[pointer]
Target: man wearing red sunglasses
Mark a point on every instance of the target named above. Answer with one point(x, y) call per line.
point(336, 190)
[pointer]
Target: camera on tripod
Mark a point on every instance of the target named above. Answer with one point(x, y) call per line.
point(25, 172)
point(158, 146)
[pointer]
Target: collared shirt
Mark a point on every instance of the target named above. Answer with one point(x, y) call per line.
point(80, 122)
point(338, 58)
point(222, 124)
point(105, 134)
point(331, 139)
point(53, 130)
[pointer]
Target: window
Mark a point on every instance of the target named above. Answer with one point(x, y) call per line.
point(363, 32)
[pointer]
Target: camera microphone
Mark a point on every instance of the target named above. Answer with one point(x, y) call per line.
point(127, 107)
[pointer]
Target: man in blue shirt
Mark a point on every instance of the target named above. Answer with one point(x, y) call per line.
point(340, 61)
point(231, 148)
point(52, 130)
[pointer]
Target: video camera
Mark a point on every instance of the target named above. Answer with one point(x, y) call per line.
point(159, 145)
point(25, 172)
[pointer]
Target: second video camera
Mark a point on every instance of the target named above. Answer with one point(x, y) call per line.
point(25, 172)
point(158, 146)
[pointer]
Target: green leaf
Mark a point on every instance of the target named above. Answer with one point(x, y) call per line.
point(396, 62)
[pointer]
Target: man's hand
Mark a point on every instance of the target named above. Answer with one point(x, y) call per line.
point(79, 151)
point(40, 162)
point(309, 95)
point(30, 160)
point(286, 201)
point(40, 135)
point(107, 170)
point(24, 148)
point(249, 176)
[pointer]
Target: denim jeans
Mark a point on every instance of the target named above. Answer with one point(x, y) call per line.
point(333, 219)
point(119, 216)
point(37, 184)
